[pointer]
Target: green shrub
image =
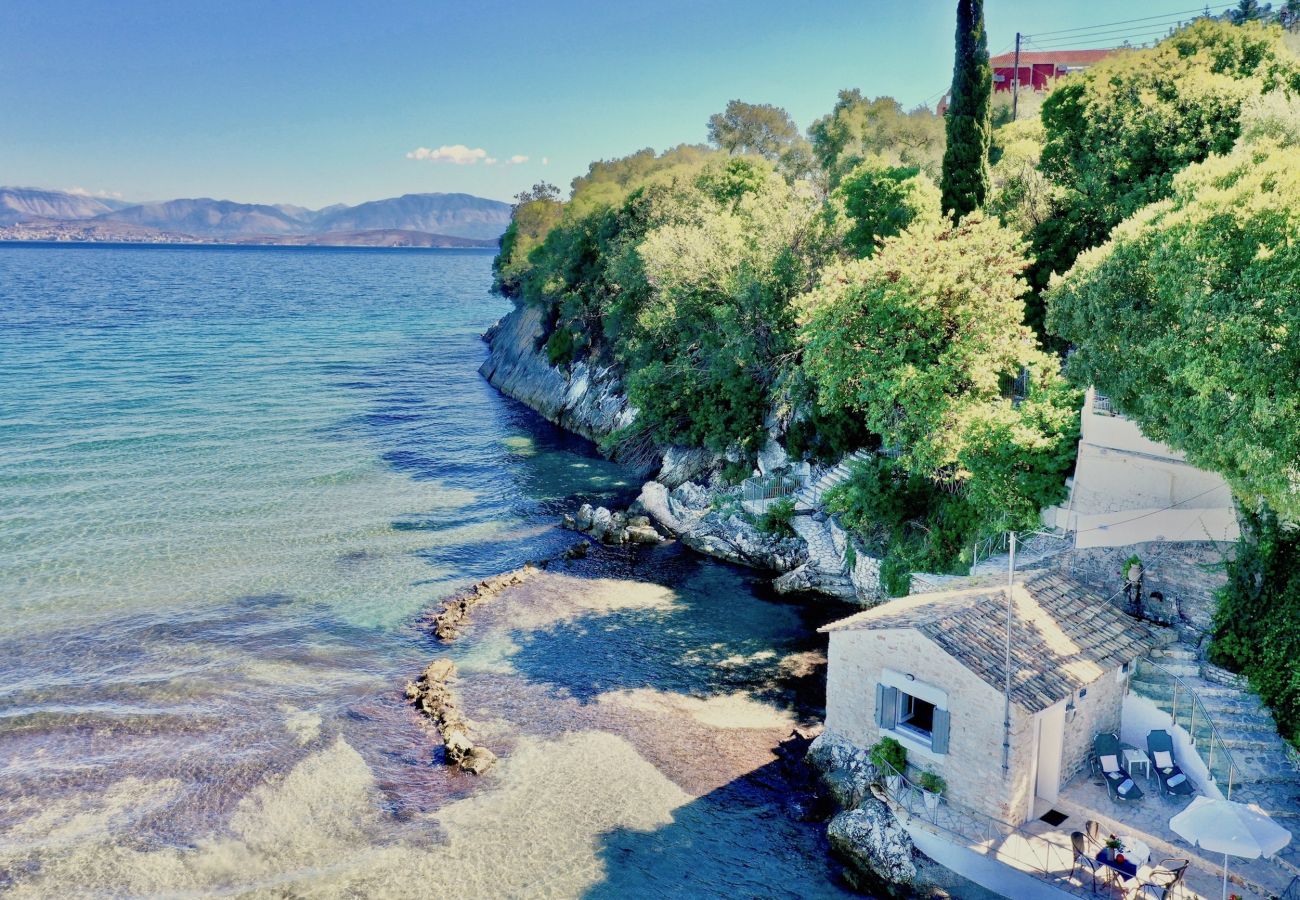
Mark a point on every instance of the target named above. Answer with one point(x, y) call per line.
point(887, 754)
point(777, 519)
point(559, 347)
point(1255, 630)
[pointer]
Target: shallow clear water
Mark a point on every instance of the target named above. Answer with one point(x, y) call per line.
point(231, 481)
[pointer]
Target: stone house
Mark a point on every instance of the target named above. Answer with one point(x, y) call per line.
point(928, 670)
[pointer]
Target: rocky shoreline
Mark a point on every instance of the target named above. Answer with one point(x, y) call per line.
point(686, 500)
point(686, 497)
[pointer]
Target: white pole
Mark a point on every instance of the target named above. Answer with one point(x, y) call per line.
point(1006, 703)
point(1225, 876)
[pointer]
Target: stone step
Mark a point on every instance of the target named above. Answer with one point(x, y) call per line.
point(1177, 651)
point(1268, 767)
point(1280, 800)
point(1235, 738)
point(1155, 687)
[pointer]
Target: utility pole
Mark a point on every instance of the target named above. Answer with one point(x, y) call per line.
point(1006, 702)
point(1015, 99)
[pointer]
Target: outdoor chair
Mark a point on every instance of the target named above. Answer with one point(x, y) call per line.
point(1163, 880)
point(1083, 857)
point(1119, 784)
point(1173, 781)
point(1093, 829)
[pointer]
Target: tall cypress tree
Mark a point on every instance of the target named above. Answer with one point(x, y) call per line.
point(966, 159)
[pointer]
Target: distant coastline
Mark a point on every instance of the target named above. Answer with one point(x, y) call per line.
point(411, 220)
point(392, 238)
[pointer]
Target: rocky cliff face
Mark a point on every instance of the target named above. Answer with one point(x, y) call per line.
point(581, 398)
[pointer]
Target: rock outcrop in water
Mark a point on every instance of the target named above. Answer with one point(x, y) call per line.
point(688, 511)
point(455, 610)
point(873, 842)
point(612, 527)
point(587, 400)
point(431, 694)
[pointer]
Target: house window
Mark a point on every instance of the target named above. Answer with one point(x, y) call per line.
point(919, 724)
point(915, 715)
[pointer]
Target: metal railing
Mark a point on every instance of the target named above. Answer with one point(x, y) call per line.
point(1189, 712)
point(770, 487)
point(989, 547)
point(1102, 406)
point(1038, 855)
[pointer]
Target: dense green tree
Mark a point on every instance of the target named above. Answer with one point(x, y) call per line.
point(965, 181)
point(716, 329)
point(758, 128)
point(1187, 318)
point(1020, 194)
point(858, 129)
point(1117, 134)
point(923, 339)
point(1249, 11)
point(880, 200)
point(536, 211)
point(1255, 629)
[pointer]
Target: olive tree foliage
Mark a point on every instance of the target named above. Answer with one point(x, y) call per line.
point(715, 330)
point(965, 181)
point(1187, 318)
point(762, 130)
point(535, 212)
point(858, 129)
point(1117, 134)
point(923, 339)
point(877, 200)
point(1020, 195)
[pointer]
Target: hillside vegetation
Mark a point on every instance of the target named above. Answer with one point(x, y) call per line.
point(813, 287)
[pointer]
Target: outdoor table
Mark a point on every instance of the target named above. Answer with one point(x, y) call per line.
point(1134, 757)
point(1136, 855)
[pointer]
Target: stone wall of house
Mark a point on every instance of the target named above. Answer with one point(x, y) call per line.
point(973, 765)
point(1185, 573)
point(1098, 710)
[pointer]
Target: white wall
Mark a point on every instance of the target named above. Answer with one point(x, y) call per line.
point(1141, 717)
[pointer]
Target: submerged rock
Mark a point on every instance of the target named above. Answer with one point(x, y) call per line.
point(455, 610)
point(687, 511)
point(432, 695)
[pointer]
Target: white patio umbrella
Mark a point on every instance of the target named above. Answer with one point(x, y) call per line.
point(1232, 829)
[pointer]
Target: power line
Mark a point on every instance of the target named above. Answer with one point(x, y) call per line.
point(1106, 33)
point(1106, 44)
point(1186, 12)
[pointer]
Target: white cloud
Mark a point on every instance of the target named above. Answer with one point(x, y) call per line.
point(517, 159)
point(82, 192)
point(490, 161)
point(457, 154)
point(546, 160)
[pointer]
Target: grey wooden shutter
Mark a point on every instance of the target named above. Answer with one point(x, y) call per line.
point(886, 705)
point(939, 731)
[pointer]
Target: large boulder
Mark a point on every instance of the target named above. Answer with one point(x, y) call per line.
point(877, 849)
point(683, 464)
point(844, 768)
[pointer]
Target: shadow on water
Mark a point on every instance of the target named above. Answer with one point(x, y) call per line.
point(723, 634)
point(738, 840)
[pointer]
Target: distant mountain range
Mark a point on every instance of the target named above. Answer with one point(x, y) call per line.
point(412, 220)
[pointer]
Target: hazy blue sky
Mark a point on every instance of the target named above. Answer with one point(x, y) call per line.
point(320, 102)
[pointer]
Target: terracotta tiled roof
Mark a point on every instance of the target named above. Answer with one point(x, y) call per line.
point(1060, 57)
point(1064, 636)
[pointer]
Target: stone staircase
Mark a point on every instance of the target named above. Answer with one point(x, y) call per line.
point(1266, 767)
point(829, 568)
point(1266, 770)
point(808, 498)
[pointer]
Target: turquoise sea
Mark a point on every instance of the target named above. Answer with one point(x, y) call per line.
point(232, 480)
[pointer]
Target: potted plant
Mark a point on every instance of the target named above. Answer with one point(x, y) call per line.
point(1116, 848)
point(890, 758)
point(932, 788)
point(1133, 569)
